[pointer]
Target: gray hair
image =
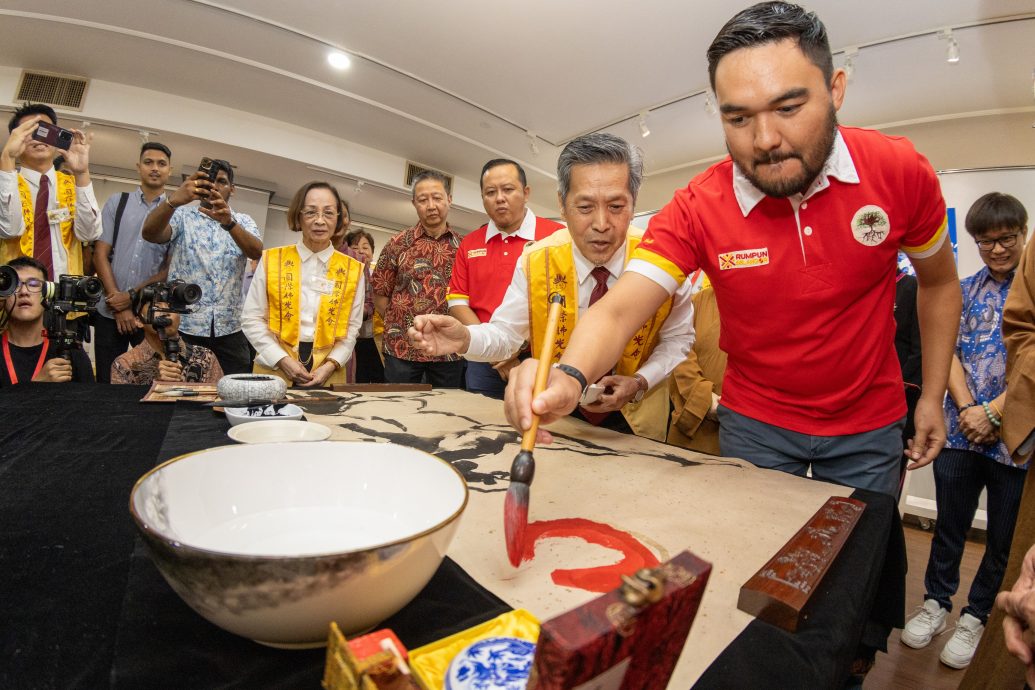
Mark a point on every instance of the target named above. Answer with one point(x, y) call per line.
point(596, 148)
point(425, 175)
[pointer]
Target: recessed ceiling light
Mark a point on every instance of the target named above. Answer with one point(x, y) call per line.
point(338, 59)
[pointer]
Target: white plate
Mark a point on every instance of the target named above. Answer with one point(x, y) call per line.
point(277, 430)
point(242, 415)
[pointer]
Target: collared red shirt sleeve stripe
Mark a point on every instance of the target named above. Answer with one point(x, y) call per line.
point(930, 247)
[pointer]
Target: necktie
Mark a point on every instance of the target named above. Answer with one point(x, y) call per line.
point(600, 274)
point(41, 246)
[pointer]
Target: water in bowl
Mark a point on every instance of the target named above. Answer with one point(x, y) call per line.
point(305, 531)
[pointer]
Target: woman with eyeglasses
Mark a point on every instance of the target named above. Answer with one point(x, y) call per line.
point(305, 304)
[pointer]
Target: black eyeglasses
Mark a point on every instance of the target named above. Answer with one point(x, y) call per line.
point(32, 285)
point(1006, 242)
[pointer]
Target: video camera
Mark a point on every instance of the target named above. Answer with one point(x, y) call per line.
point(68, 295)
point(177, 296)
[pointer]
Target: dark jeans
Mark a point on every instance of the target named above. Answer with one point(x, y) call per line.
point(231, 350)
point(482, 378)
point(959, 477)
point(108, 344)
point(369, 368)
point(439, 374)
point(867, 460)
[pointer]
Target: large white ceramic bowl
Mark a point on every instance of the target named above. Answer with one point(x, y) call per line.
point(274, 541)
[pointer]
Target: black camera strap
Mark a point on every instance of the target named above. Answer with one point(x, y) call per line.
point(118, 221)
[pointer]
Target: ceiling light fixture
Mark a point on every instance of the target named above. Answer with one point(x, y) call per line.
point(849, 66)
point(338, 59)
point(952, 55)
point(532, 143)
point(644, 131)
point(709, 104)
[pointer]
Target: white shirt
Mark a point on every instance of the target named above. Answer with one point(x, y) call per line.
point(87, 221)
point(501, 338)
point(255, 318)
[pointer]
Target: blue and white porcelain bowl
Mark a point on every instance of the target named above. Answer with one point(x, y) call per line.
point(495, 663)
point(282, 412)
point(274, 541)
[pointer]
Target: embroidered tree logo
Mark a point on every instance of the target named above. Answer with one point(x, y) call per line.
point(874, 222)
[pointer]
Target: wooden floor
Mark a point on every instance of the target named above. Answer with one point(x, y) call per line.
point(907, 668)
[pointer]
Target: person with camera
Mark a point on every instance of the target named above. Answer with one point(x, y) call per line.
point(305, 305)
point(125, 261)
point(28, 354)
point(210, 246)
point(149, 361)
point(45, 214)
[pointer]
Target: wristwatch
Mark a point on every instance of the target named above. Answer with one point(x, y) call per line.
point(228, 226)
point(575, 374)
point(643, 386)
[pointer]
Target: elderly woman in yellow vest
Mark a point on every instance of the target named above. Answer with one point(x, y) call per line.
point(305, 305)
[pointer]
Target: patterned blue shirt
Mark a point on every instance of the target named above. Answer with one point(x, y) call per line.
point(982, 353)
point(206, 254)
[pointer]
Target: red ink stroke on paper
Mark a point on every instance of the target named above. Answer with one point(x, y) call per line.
point(597, 579)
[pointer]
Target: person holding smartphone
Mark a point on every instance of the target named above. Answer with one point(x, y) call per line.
point(45, 214)
point(210, 247)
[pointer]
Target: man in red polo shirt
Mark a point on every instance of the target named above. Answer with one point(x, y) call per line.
point(486, 258)
point(798, 230)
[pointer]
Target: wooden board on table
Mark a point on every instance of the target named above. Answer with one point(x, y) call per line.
point(176, 391)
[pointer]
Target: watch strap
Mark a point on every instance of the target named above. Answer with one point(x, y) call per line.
point(575, 374)
point(228, 226)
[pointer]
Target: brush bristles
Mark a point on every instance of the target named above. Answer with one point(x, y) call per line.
point(515, 521)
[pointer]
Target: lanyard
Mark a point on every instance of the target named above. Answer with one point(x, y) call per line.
point(10, 363)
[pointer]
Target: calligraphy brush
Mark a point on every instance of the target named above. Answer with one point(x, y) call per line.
point(522, 470)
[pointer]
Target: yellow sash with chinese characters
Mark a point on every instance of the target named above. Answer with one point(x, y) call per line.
point(550, 267)
point(284, 295)
point(23, 246)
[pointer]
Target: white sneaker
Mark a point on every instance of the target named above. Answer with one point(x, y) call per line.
point(960, 648)
point(924, 625)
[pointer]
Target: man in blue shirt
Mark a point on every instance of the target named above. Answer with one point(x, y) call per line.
point(974, 457)
point(125, 261)
point(210, 247)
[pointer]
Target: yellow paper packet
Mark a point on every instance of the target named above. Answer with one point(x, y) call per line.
point(431, 662)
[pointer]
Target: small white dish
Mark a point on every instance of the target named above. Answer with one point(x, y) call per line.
point(275, 431)
point(240, 415)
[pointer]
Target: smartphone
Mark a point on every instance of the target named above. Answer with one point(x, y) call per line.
point(592, 394)
point(210, 172)
point(57, 137)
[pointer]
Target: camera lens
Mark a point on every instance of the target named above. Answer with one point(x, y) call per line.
point(185, 293)
point(90, 287)
point(8, 281)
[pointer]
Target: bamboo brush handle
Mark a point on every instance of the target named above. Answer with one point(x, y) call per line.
point(542, 372)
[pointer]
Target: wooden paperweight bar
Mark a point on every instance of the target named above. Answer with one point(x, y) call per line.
point(627, 639)
point(780, 592)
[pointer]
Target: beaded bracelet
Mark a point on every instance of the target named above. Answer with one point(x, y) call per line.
point(998, 412)
point(991, 417)
point(972, 403)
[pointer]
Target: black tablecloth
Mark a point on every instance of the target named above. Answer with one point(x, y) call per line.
point(81, 605)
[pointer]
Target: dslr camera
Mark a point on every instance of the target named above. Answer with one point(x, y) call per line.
point(8, 281)
point(69, 295)
point(162, 299)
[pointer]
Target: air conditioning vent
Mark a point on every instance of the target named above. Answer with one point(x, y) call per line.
point(414, 169)
point(53, 89)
